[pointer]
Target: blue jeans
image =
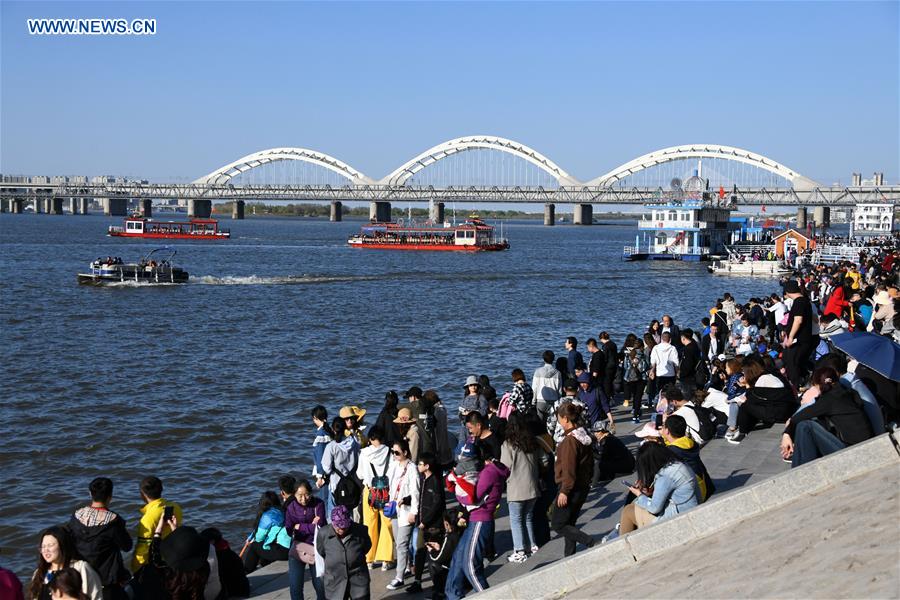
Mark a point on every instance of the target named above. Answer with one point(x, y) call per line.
point(733, 409)
point(296, 575)
point(812, 441)
point(468, 560)
point(521, 522)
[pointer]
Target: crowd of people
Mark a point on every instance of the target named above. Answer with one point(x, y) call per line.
point(418, 491)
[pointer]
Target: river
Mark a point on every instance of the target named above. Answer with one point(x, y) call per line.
point(209, 385)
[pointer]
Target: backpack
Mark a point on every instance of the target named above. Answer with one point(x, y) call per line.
point(708, 424)
point(348, 491)
point(428, 432)
point(506, 407)
point(380, 492)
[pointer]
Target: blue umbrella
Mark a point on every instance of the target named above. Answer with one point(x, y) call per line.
point(879, 353)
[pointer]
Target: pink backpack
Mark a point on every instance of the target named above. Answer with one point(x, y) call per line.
point(506, 407)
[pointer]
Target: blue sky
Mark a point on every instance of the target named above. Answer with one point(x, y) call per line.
point(815, 86)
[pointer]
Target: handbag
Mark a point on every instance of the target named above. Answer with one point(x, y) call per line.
point(390, 508)
point(303, 552)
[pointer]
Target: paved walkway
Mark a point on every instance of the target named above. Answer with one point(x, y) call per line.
point(730, 466)
point(840, 543)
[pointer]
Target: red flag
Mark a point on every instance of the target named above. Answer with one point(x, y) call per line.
point(721, 192)
point(763, 209)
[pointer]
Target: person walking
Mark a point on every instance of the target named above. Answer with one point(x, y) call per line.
point(374, 464)
point(574, 470)
point(520, 452)
point(468, 559)
point(404, 481)
point(343, 545)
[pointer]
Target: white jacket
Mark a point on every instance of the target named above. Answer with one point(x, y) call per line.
point(403, 485)
point(547, 384)
point(370, 457)
point(90, 581)
point(665, 358)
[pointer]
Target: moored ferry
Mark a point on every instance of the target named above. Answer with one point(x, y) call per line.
point(688, 223)
point(472, 236)
point(195, 229)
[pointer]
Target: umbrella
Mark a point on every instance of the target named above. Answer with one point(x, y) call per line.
point(879, 353)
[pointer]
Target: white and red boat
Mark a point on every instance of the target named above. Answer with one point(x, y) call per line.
point(472, 236)
point(195, 229)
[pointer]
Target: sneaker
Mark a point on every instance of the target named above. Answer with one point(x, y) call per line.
point(737, 438)
point(730, 434)
point(371, 565)
point(625, 403)
point(517, 557)
point(635, 419)
point(534, 549)
point(414, 588)
point(387, 565)
point(409, 572)
point(395, 584)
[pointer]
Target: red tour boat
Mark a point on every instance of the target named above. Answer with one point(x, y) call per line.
point(472, 236)
point(195, 229)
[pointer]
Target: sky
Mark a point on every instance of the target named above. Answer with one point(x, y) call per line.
point(815, 86)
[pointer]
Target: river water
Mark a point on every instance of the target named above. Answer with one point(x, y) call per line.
point(209, 385)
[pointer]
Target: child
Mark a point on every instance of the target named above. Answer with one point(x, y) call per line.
point(735, 392)
point(441, 548)
point(464, 476)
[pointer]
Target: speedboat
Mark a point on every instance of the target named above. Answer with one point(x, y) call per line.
point(151, 269)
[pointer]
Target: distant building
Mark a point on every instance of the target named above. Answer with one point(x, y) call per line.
point(873, 219)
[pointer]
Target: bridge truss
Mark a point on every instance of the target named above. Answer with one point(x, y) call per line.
point(583, 194)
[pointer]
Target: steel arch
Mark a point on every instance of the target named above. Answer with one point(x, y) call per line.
point(703, 151)
point(224, 174)
point(489, 142)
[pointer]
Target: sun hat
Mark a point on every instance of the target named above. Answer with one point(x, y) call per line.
point(352, 411)
point(648, 430)
point(471, 380)
point(184, 549)
point(340, 517)
point(883, 297)
point(404, 415)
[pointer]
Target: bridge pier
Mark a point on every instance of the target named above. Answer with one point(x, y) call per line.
point(199, 209)
point(56, 206)
point(146, 208)
point(115, 207)
point(73, 206)
point(16, 206)
point(380, 211)
point(584, 214)
point(549, 215)
point(801, 218)
point(85, 205)
point(437, 213)
point(237, 210)
point(337, 211)
point(822, 216)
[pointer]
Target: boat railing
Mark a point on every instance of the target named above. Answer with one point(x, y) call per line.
point(116, 229)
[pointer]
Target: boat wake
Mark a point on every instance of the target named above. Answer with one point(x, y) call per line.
point(279, 280)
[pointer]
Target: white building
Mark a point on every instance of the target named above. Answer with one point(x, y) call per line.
point(873, 219)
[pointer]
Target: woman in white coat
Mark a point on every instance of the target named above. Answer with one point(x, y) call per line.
point(404, 479)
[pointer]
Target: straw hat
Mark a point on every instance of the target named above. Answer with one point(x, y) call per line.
point(352, 411)
point(404, 415)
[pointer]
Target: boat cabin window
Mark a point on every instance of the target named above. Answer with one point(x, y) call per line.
point(134, 226)
point(673, 215)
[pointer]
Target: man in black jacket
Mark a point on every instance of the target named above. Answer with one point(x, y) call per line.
point(806, 439)
point(101, 536)
point(690, 363)
point(611, 356)
point(713, 343)
point(430, 517)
